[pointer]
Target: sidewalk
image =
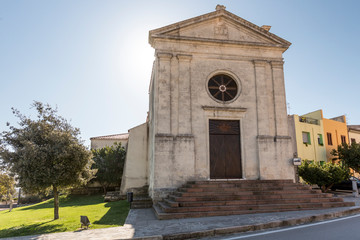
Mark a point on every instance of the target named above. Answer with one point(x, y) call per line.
point(142, 224)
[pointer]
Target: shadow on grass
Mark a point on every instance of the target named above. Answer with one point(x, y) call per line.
point(71, 201)
point(116, 215)
point(31, 229)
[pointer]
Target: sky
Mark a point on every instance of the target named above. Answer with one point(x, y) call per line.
point(91, 59)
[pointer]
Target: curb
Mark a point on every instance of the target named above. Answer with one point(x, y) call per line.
point(256, 227)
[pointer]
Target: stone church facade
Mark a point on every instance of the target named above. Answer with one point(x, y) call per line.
point(217, 107)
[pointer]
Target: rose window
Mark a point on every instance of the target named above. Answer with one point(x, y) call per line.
point(222, 87)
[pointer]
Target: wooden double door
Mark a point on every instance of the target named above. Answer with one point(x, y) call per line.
point(225, 153)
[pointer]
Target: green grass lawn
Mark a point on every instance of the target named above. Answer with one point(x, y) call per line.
point(38, 218)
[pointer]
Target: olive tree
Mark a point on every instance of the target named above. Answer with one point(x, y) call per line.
point(45, 153)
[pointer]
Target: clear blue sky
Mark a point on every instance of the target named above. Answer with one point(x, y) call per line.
point(92, 59)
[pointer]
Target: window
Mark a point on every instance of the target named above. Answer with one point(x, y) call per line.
point(320, 139)
point(222, 87)
point(343, 139)
point(353, 140)
point(306, 138)
point(329, 138)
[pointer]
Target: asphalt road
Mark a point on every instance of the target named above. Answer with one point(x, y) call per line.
point(341, 228)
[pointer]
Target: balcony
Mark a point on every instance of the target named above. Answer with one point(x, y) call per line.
point(309, 120)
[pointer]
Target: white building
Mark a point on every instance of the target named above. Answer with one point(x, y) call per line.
point(217, 106)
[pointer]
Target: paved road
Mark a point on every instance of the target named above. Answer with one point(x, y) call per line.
point(341, 228)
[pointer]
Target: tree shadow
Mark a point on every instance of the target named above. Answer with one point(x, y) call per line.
point(116, 215)
point(31, 229)
point(68, 201)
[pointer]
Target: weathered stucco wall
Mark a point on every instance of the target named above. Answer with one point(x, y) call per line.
point(101, 143)
point(135, 170)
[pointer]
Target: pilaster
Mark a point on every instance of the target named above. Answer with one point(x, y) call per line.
point(164, 102)
point(279, 98)
point(261, 97)
point(184, 105)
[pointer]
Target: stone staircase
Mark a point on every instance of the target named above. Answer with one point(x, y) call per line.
point(141, 198)
point(233, 197)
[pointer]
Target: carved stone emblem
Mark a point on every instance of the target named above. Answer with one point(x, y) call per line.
point(224, 127)
point(221, 31)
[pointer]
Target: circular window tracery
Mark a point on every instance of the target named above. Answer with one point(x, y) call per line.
point(222, 87)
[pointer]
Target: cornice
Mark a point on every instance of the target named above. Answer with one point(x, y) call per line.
point(228, 109)
point(184, 57)
point(277, 64)
point(165, 56)
point(218, 41)
point(156, 33)
point(260, 63)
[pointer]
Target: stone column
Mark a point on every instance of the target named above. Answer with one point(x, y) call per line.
point(164, 102)
point(184, 105)
point(279, 98)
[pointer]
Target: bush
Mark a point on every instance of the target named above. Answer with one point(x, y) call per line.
point(36, 198)
point(324, 175)
point(30, 199)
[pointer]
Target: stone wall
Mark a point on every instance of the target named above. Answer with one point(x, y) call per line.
point(135, 169)
point(181, 106)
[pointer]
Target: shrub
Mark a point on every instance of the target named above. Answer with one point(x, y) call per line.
point(325, 175)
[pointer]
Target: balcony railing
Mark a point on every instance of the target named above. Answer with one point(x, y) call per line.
point(309, 120)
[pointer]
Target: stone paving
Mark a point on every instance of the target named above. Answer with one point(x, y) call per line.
point(142, 224)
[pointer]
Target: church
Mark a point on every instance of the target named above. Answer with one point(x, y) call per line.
point(217, 107)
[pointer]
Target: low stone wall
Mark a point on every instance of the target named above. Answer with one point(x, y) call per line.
point(87, 191)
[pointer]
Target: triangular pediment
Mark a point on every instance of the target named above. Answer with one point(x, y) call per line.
point(219, 26)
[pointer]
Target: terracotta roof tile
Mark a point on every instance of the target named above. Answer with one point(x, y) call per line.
point(121, 136)
point(354, 127)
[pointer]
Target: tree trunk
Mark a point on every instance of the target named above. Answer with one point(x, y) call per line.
point(56, 203)
point(10, 199)
point(11, 203)
point(18, 201)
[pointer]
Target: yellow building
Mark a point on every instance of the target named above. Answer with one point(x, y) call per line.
point(336, 133)
point(307, 134)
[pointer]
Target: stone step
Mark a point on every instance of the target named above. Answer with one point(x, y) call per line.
point(237, 192)
point(234, 188)
point(239, 184)
point(222, 198)
point(163, 216)
point(248, 202)
point(171, 203)
point(141, 198)
point(143, 204)
point(142, 201)
point(225, 197)
point(289, 207)
point(247, 182)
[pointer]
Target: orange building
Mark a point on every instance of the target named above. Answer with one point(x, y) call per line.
point(336, 133)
